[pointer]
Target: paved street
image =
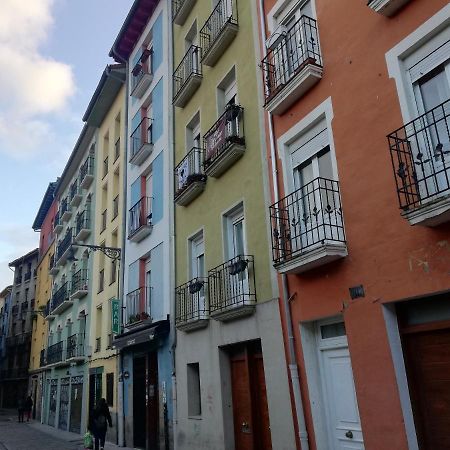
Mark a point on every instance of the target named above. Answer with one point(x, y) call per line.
point(34, 436)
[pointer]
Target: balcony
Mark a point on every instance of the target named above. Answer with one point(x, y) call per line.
point(63, 248)
point(138, 307)
point(55, 353)
point(15, 310)
point(18, 279)
point(420, 152)
point(181, 10)
point(292, 66)
point(61, 299)
point(75, 348)
point(141, 142)
point(187, 77)
point(79, 284)
point(192, 310)
point(43, 358)
point(86, 175)
point(219, 31)
point(141, 75)
point(117, 150)
point(75, 194)
point(58, 226)
point(190, 179)
point(53, 268)
point(48, 313)
point(65, 210)
point(140, 220)
point(386, 7)
point(232, 292)
point(82, 226)
point(27, 276)
point(224, 142)
point(308, 227)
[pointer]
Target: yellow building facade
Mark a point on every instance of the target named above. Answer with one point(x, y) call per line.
point(107, 113)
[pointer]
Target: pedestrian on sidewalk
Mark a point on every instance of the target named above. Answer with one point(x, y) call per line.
point(20, 408)
point(28, 407)
point(98, 423)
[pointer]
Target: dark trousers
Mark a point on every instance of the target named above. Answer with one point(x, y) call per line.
point(28, 415)
point(99, 438)
point(20, 411)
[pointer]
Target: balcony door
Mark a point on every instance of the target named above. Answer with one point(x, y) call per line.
point(147, 294)
point(431, 151)
point(198, 271)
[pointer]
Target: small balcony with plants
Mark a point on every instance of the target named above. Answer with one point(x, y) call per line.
point(293, 64)
point(80, 286)
point(61, 299)
point(224, 142)
point(53, 268)
point(420, 153)
point(63, 248)
point(75, 194)
point(57, 224)
point(181, 10)
point(141, 142)
point(190, 179)
point(187, 77)
point(308, 227)
point(138, 307)
point(219, 30)
point(140, 220)
point(141, 75)
point(86, 173)
point(75, 351)
point(82, 226)
point(65, 210)
point(386, 7)
point(232, 291)
point(192, 309)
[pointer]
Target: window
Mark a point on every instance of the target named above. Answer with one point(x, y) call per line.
point(235, 233)
point(227, 92)
point(115, 207)
point(113, 271)
point(110, 389)
point(101, 280)
point(193, 390)
point(197, 253)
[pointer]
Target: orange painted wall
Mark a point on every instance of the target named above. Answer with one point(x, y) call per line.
point(386, 254)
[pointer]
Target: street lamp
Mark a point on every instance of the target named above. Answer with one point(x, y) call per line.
point(113, 253)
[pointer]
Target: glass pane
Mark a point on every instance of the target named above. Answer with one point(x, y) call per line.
point(201, 266)
point(325, 166)
point(332, 330)
point(434, 90)
point(238, 238)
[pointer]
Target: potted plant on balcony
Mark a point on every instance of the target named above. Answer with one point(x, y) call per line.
point(238, 266)
point(195, 286)
point(144, 316)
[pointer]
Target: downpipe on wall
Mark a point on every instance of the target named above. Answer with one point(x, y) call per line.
point(292, 363)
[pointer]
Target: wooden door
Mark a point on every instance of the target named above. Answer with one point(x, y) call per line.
point(250, 409)
point(152, 401)
point(427, 360)
point(76, 403)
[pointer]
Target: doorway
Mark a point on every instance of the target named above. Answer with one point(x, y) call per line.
point(139, 413)
point(250, 408)
point(76, 403)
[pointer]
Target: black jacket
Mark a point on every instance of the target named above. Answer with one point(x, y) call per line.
point(100, 418)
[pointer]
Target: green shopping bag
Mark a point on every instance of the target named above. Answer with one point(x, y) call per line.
point(88, 440)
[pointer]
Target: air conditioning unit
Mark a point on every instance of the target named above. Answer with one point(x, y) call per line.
point(276, 37)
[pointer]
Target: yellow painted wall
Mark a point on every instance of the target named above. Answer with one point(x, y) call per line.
point(43, 293)
point(109, 186)
point(243, 180)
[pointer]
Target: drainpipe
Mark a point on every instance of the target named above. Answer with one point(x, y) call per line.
point(120, 397)
point(292, 357)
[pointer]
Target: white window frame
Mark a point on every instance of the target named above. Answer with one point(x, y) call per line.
point(283, 8)
point(230, 218)
point(196, 242)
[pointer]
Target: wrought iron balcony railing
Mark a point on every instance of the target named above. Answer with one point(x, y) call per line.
point(48, 308)
point(57, 222)
point(64, 244)
point(225, 12)
point(191, 301)
point(63, 206)
point(61, 295)
point(117, 149)
point(138, 305)
point(232, 284)
point(87, 169)
point(27, 276)
point(189, 66)
point(82, 221)
point(141, 136)
point(310, 216)
point(420, 152)
point(75, 346)
point(140, 215)
point(226, 131)
point(142, 68)
point(43, 358)
point(189, 171)
point(55, 353)
point(74, 190)
point(297, 47)
point(80, 281)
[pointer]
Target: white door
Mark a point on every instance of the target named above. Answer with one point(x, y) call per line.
point(339, 395)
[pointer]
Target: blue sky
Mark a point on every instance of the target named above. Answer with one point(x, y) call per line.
point(52, 54)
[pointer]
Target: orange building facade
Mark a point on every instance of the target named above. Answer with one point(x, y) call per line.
point(357, 96)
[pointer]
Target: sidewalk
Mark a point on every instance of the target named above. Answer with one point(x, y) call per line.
point(69, 437)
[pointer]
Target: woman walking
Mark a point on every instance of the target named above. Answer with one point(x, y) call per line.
point(100, 419)
point(28, 407)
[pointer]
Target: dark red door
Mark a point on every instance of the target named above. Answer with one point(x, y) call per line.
point(250, 409)
point(427, 359)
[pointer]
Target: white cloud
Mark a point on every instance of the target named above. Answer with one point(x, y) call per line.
point(32, 86)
